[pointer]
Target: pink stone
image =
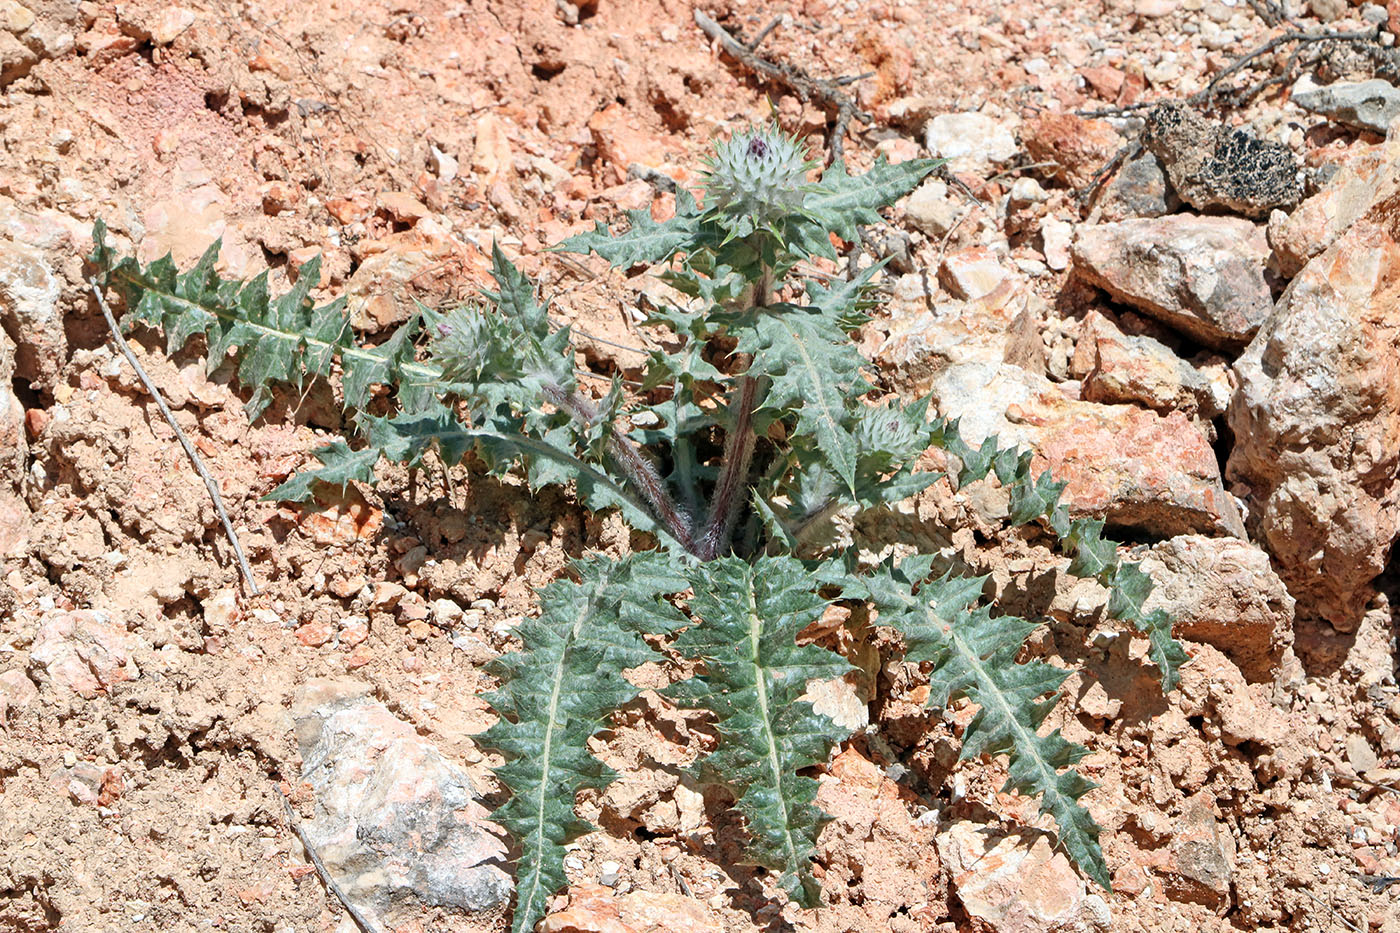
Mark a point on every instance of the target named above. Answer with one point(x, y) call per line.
point(81, 651)
point(1203, 276)
point(1018, 883)
point(972, 273)
point(1128, 465)
point(1077, 146)
point(1317, 416)
point(16, 692)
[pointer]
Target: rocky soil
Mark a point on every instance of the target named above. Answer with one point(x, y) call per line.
point(1203, 340)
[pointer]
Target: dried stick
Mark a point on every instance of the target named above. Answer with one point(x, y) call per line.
point(806, 87)
point(945, 174)
point(1207, 93)
point(1330, 909)
point(203, 472)
point(1126, 154)
point(331, 884)
point(763, 33)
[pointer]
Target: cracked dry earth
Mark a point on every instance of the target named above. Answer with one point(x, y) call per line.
point(1212, 360)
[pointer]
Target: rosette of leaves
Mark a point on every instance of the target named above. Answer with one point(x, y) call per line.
point(750, 432)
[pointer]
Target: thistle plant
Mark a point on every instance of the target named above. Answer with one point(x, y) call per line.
point(750, 435)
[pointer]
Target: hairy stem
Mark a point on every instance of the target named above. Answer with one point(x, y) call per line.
point(638, 470)
point(738, 450)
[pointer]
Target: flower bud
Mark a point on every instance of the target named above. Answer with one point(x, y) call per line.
point(759, 175)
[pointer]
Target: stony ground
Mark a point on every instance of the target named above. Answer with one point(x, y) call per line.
point(1204, 341)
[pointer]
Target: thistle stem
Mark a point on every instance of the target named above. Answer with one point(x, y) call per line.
point(738, 451)
point(638, 470)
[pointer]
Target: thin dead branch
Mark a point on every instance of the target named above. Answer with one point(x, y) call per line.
point(824, 92)
point(193, 454)
point(1206, 94)
point(1330, 909)
point(764, 32)
point(945, 174)
point(361, 921)
point(1240, 96)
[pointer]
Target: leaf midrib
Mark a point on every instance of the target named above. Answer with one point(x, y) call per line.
point(1025, 738)
point(845, 466)
point(560, 668)
point(755, 626)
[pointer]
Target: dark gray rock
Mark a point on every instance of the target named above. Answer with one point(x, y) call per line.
point(1138, 189)
point(1216, 167)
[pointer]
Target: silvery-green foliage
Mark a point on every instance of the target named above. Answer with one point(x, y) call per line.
point(751, 430)
point(756, 180)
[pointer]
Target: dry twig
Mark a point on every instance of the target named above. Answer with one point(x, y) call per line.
point(1330, 909)
point(945, 174)
point(193, 454)
point(763, 33)
point(1207, 94)
point(806, 87)
point(331, 884)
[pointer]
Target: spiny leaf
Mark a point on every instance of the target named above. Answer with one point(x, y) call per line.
point(1031, 499)
point(404, 438)
point(278, 340)
point(339, 467)
point(646, 241)
point(976, 464)
point(390, 363)
point(1091, 555)
point(505, 355)
point(815, 371)
point(842, 202)
point(973, 654)
point(1128, 588)
point(891, 435)
point(556, 693)
point(843, 301)
point(747, 620)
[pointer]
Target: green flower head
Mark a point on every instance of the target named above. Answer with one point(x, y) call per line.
point(756, 179)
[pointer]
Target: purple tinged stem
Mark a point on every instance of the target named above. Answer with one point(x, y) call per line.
point(738, 451)
point(638, 469)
